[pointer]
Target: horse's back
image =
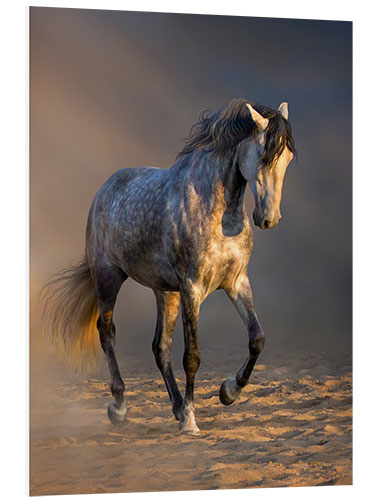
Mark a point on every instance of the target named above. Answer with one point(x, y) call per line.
point(124, 187)
point(123, 183)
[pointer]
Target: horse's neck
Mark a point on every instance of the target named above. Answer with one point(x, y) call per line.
point(219, 183)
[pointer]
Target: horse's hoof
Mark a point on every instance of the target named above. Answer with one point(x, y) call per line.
point(187, 423)
point(117, 413)
point(229, 391)
point(190, 428)
point(191, 432)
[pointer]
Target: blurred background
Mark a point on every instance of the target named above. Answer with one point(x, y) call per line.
point(120, 89)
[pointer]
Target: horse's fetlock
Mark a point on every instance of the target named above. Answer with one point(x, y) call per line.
point(117, 388)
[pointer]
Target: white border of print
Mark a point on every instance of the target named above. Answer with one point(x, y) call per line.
point(14, 209)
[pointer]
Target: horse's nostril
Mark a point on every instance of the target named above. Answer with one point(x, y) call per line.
point(266, 223)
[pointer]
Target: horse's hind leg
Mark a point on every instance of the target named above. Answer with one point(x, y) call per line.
point(168, 304)
point(241, 297)
point(108, 281)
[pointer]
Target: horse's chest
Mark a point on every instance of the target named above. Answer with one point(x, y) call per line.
point(223, 260)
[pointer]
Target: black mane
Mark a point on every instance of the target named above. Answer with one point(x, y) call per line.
point(221, 131)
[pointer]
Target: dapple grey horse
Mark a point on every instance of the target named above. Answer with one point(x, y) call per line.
point(183, 232)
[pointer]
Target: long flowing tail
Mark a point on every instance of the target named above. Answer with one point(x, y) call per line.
point(70, 314)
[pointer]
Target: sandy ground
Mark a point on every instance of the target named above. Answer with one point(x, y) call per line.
point(292, 426)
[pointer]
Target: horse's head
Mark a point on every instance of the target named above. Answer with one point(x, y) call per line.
point(263, 160)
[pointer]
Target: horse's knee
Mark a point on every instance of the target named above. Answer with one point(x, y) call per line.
point(191, 360)
point(256, 343)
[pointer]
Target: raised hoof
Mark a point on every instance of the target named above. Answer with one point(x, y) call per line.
point(117, 413)
point(229, 391)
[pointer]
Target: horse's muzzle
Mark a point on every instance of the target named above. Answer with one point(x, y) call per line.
point(263, 222)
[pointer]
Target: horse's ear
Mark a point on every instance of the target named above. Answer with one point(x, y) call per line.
point(283, 110)
point(260, 121)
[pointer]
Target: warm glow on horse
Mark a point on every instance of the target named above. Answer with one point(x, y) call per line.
point(183, 232)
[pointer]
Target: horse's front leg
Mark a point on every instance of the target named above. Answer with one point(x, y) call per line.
point(190, 303)
point(241, 296)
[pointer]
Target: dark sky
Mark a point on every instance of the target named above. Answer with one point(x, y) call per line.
point(118, 89)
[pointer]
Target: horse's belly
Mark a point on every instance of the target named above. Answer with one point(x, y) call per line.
point(153, 271)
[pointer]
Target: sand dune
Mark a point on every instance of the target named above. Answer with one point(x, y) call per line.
point(288, 428)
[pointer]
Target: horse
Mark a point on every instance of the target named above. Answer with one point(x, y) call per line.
point(184, 232)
